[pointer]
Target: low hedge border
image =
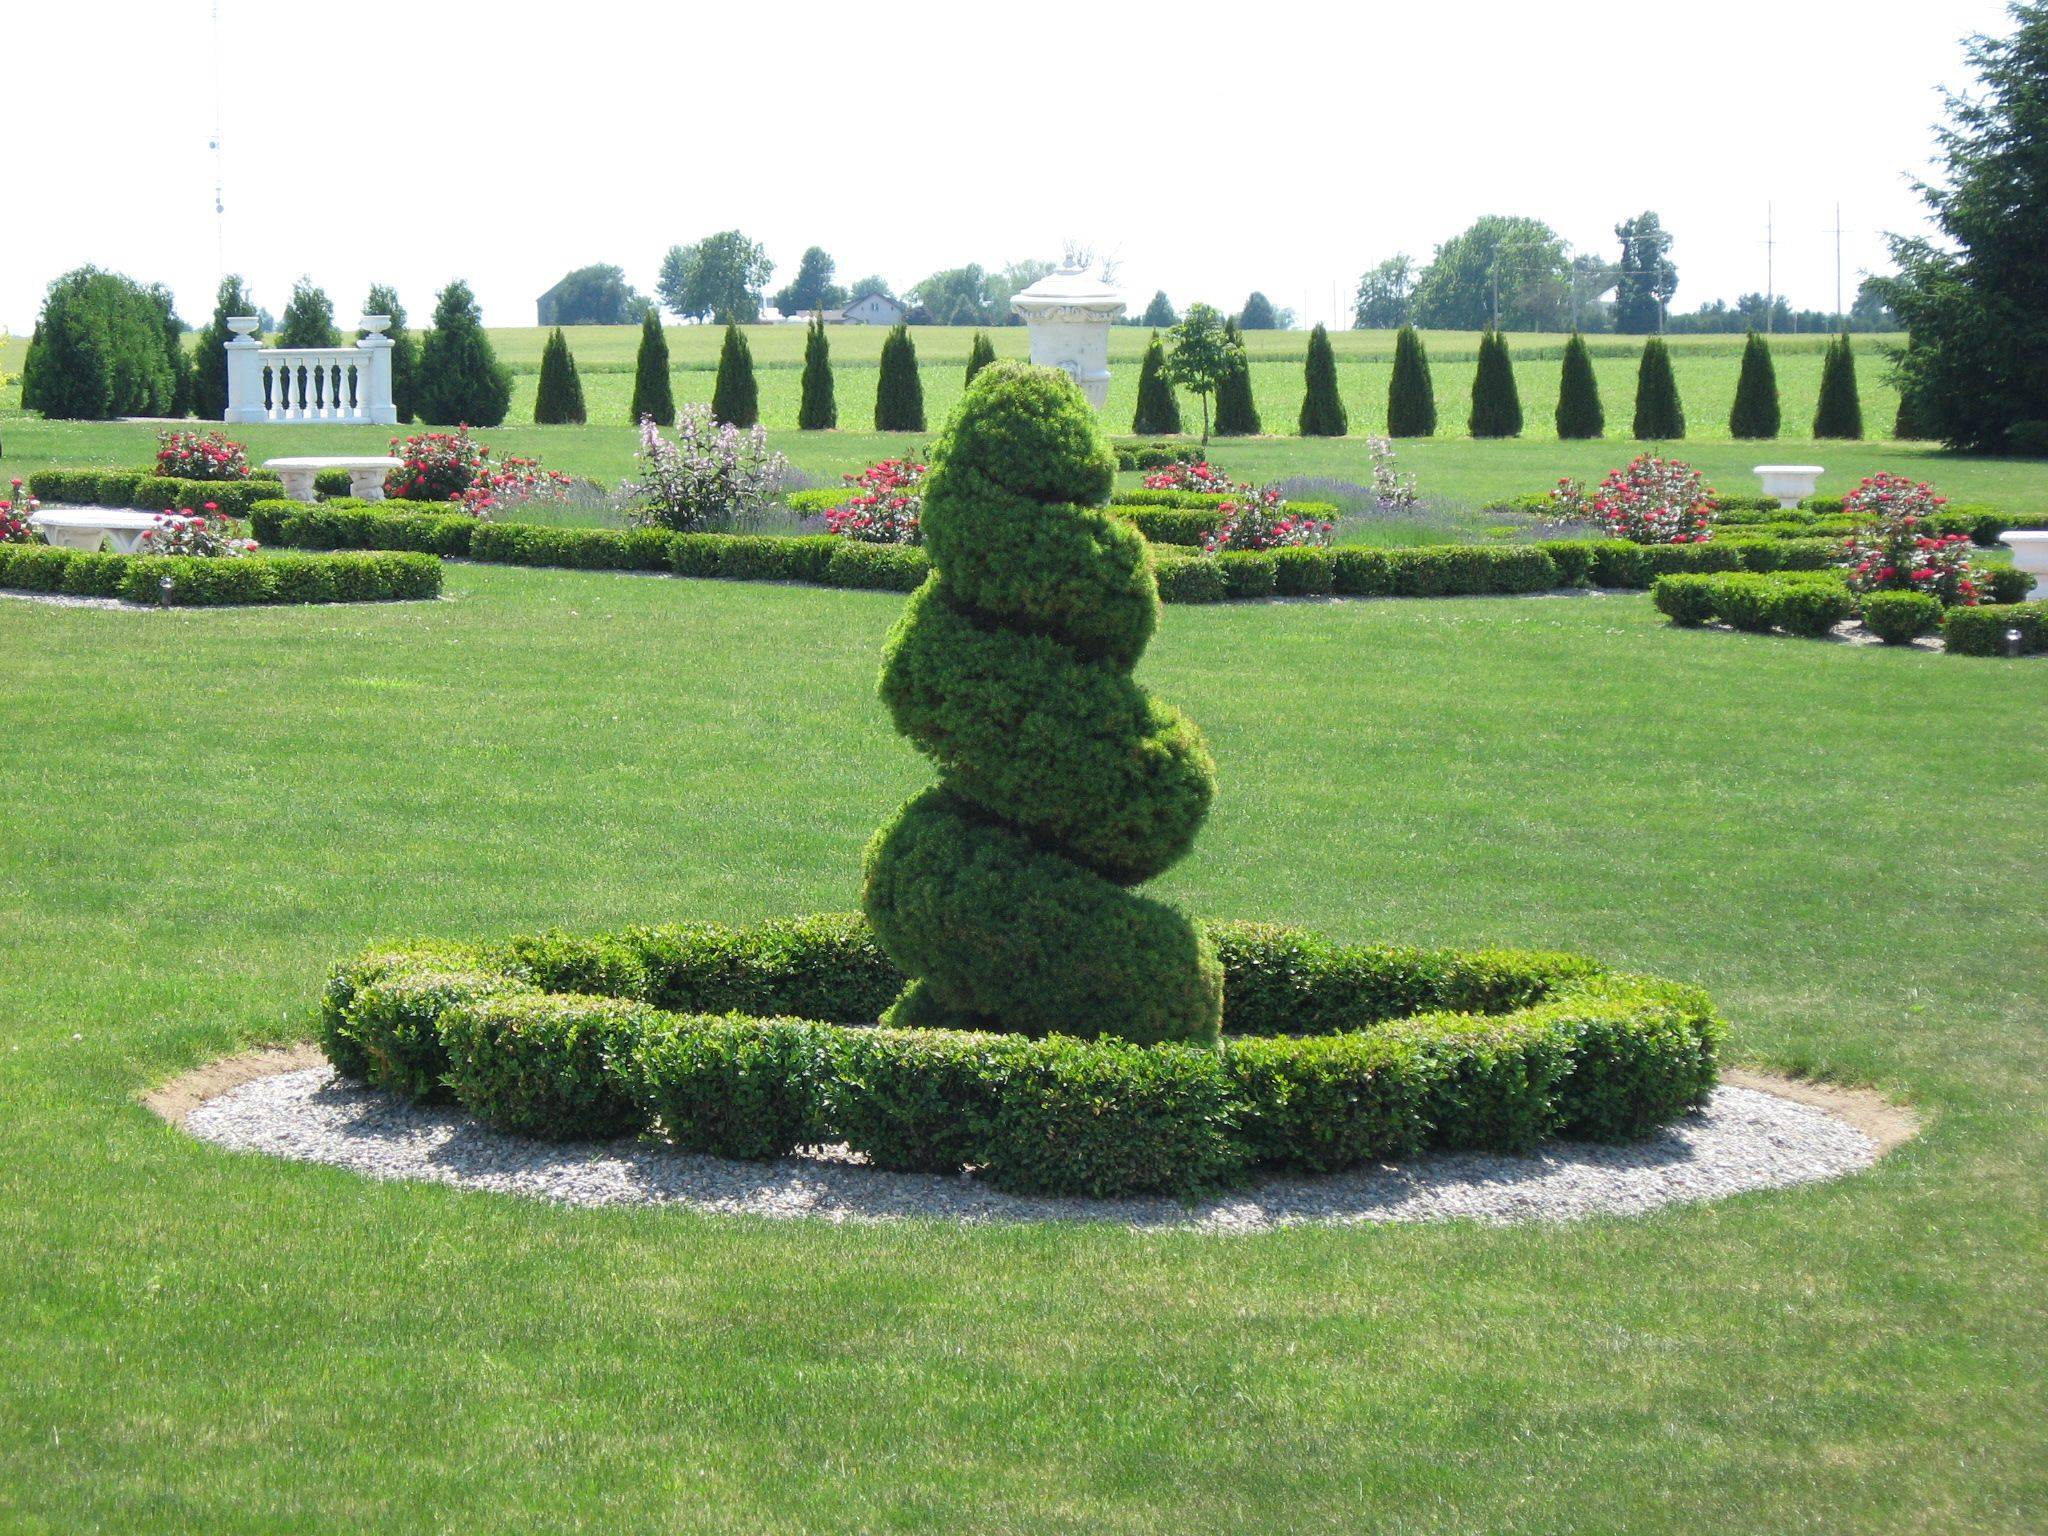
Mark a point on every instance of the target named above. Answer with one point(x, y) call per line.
point(1981, 631)
point(754, 1041)
point(1808, 603)
point(146, 491)
point(200, 583)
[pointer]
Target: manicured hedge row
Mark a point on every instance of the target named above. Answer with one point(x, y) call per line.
point(344, 524)
point(196, 582)
point(1981, 631)
point(748, 1042)
point(148, 492)
point(1133, 456)
point(1807, 603)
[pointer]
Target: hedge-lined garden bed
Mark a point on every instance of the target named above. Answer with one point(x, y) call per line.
point(1812, 603)
point(146, 491)
point(355, 577)
point(754, 1042)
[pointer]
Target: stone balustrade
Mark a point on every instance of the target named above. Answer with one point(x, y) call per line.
point(309, 384)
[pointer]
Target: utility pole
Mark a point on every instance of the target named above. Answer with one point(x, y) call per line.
point(220, 211)
point(1840, 321)
point(1770, 268)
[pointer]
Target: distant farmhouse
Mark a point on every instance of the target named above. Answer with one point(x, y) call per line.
point(875, 309)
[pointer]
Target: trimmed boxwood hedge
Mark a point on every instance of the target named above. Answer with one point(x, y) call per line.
point(1809, 603)
point(148, 492)
point(1981, 631)
point(197, 582)
point(755, 1041)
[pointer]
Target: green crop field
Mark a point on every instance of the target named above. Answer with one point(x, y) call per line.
point(200, 810)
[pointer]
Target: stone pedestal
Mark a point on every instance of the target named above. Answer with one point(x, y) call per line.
point(1068, 315)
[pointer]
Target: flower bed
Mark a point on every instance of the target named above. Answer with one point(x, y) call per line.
point(182, 455)
point(753, 1042)
point(198, 581)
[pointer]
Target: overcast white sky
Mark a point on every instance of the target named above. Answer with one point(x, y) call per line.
point(1215, 148)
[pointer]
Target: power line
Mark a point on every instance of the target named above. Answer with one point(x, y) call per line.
point(220, 209)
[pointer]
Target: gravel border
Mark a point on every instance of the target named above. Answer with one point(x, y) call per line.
point(1745, 1139)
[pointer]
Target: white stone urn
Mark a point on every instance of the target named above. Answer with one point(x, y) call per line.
point(1790, 483)
point(1068, 314)
point(2030, 554)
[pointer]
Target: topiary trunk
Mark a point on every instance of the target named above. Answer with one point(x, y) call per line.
point(559, 399)
point(1756, 412)
point(1411, 396)
point(817, 410)
point(1158, 412)
point(1496, 403)
point(1003, 888)
point(1237, 414)
point(1322, 407)
point(1840, 412)
point(1660, 414)
point(1578, 394)
point(652, 394)
point(899, 393)
point(980, 354)
point(735, 398)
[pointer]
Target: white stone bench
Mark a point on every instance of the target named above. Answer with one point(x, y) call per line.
point(85, 527)
point(365, 475)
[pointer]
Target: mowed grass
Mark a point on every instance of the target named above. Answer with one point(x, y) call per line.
point(200, 810)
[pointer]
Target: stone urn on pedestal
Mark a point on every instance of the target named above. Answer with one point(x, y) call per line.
point(1067, 315)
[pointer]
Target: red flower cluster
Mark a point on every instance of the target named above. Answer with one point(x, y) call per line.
point(1201, 476)
point(1260, 520)
point(1650, 501)
point(453, 466)
point(200, 456)
point(888, 509)
point(14, 515)
point(1897, 553)
point(206, 534)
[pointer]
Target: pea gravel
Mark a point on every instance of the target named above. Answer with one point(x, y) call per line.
point(1744, 1139)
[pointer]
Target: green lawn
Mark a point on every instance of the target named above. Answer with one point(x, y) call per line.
point(1829, 838)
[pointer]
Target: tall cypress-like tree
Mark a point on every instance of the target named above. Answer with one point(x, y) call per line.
point(1756, 412)
point(1237, 414)
point(1496, 403)
point(899, 393)
point(1660, 414)
point(1158, 407)
point(209, 355)
point(460, 377)
point(735, 398)
point(1578, 394)
point(652, 393)
point(1411, 396)
point(979, 355)
point(559, 400)
point(1840, 412)
point(405, 350)
point(1322, 407)
point(817, 411)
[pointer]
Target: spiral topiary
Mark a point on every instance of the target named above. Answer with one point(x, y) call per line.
point(1002, 889)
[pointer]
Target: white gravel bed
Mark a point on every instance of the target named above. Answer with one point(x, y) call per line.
point(1744, 1139)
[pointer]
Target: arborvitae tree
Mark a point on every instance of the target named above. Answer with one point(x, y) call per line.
point(1906, 425)
point(1660, 415)
point(735, 398)
point(560, 398)
point(817, 411)
point(1840, 413)
point(1004, 889)
point(1322, 408)
point(179, 366)
point(100, 351)
point(652, 394)
point(979, 355)
point(209, 356)
point(460, 377)
point(308, 318)
point(1496, 403)
point(1160, 312)
point(1237, 415)
point(1411, 396)
point(1578, 394)
point(405, 350)
point(1756, 392)
point(899, 393)
point(1158, 407)
point(29, 370)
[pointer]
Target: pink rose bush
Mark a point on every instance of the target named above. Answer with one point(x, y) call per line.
point(454, 467)
point(1898, 552)
point(888, 507)
point(200, 456)
point(1199, 476)
point(205, 533)
point(1647, 501)
point(1260, 520)
point(15, 512)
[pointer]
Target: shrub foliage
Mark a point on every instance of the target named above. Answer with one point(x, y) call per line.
point(653, 395)
point(735, 396)
point(1840, 412)
point(1322, 407)
point(1755, 413)
point(817, 410)
point(461, 380)
point(1496, 403)
point(899, 393)
point(1579, 414)
point(559, 399)
point(1411, 397)
point(1660, 415)
point(1158, 412)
